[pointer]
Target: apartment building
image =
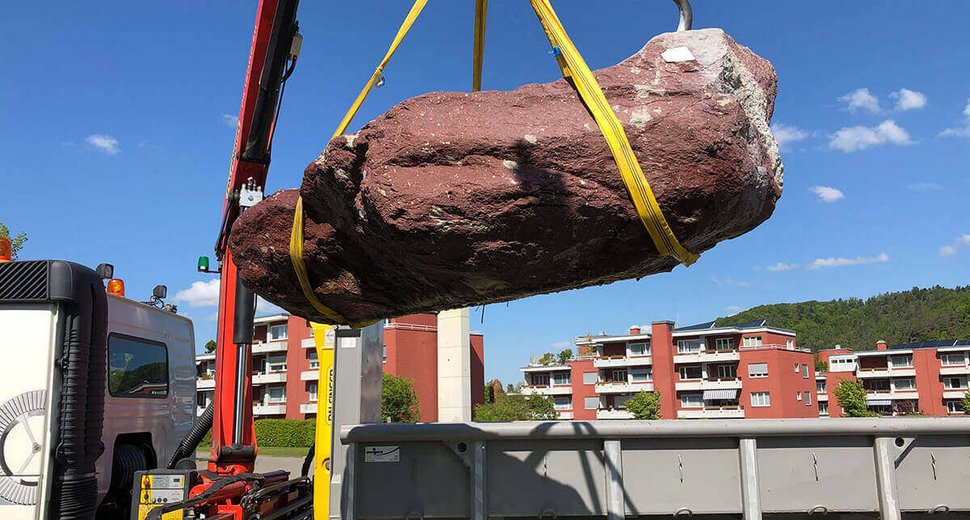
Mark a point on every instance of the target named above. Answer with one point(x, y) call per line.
point(928, 378)
point(286, 369)
point(704, 371)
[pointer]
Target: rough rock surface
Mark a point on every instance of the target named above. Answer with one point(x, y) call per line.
point(453, 199)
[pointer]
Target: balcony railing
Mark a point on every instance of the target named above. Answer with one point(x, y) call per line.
point(614, 414)
point(564, 415)
point(774, 346)
point(623, 387)
point(709, 384)
point(308, 408)
point(270, 409)
point(954, 393)
point(546, 390)
point(953, 370)
point(874, 372)
point(269, 346)
point(310, 375)
point(411, 326)
point(262, 378)
point(205, 384)
point(621, 361)
point(712, 412)
point(880, 395)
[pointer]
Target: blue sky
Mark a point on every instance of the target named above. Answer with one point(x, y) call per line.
point(115, 129)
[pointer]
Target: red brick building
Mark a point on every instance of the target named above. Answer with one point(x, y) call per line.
point(285, 367)
point(751, 370)
point(929, 378)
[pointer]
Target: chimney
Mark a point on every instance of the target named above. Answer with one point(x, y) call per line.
point(634, 330)
point(881, 345)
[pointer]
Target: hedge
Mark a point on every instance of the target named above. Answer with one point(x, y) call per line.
point(280, 433)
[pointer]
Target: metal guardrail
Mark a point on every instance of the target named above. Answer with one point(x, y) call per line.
point(791, 468)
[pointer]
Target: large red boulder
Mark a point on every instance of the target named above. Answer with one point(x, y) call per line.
point(453, 199)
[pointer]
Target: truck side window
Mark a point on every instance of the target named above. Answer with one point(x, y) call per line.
point(137, 367)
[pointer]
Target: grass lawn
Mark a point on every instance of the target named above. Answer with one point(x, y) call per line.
point(264, 451)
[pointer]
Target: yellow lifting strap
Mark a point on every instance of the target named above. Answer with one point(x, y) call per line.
point(574, 67)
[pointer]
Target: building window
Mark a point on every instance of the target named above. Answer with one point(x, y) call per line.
point(619, 402)
point(275, 364)
point(760, 399)
point(137, 367)
point(690, 372)
point(877, 385)
point(618, 376)
point(798, 395)
point(790, 343)
point(689, 346)
point(905, 384)
point(384, 354)
point(563, 402)
point(953, 360)
point(590, 378)
point(591, 403)
point(820, 386)
point(904, 361)
point(796, 368)
point(691, 400)
point(823, 408)
point(314, 362)
point(639, 349)
point(560, 378)
point(276, 394)
point(641, 375)
point(752, 341)
point(757, 369)
point(727, 372)
point(311, 390)
point(277, 332)
point(954, 383)
point(954, 407)
point(808, 398)
point(540, 379)
point(804, 371)
point(724, 344)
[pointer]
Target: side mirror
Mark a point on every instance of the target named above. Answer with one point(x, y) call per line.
point(160, 292)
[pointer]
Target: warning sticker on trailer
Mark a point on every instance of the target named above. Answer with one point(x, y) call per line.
point(382, 454)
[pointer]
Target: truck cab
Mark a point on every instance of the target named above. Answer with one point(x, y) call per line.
point(96, 386)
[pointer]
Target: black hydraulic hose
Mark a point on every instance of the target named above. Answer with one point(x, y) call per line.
point(192, 439)
point(83, 364)
point(308, 460)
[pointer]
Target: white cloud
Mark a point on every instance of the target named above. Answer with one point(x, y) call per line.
point(843, 262)
point(908, 99)
point(855, 138)
point(104, 143)
point(230, 120)
point(924, 186)
point(200, 294)
point(785, 134)
point(965, 239)
point(948, 251)
point(730, 281)
point(960, 132)
point(827, 194)
point(861, 99)
point(781, 266)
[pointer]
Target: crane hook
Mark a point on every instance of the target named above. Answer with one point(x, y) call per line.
point(686, 15)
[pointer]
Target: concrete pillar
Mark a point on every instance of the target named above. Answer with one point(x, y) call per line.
point(454, 366)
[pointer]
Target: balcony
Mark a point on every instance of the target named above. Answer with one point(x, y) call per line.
point(308, 343)
point(622, 387)
point(270, 409)
point(269, 346)
point(308, 408)
point(954, 370)
point(621, 361)
point(205, 383)
point(954, 393)
point(714, 356)
point(262, 378)
point(310, 375)
point(614, 414)
point(564, 415)
point(713, 412)
point(547, 390)
point(874, 373)
point(822, 397)
point(888, 395)
point(709, 384)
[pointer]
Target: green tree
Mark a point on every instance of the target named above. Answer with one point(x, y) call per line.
point(821, 366)
point(399, 403)
point(645, 405)
point(565, 356)
point(16, 242)
point(210, 346)
point(966, 402)
point(516, 407)
point(851, 396)
point(547, 358)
